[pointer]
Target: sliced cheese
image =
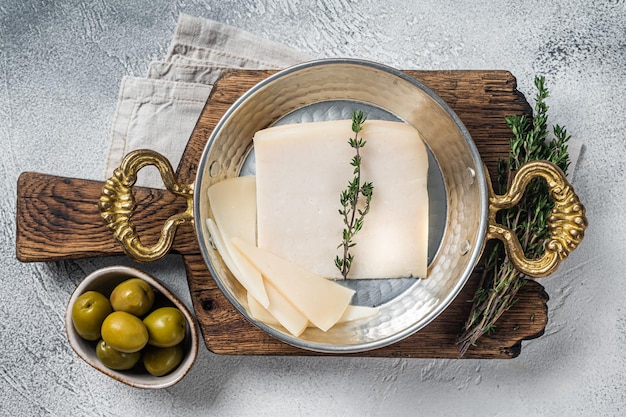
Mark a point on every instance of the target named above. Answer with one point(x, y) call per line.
point(352, 313)
point(321, 301)
point(301, 170)
point(280, 311)
point(247, 275)
point(233, 203)
point(260, 313)
point(275, 306)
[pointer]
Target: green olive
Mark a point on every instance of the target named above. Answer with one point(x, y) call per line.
point(88, 312)
point(161, 361)
point(114, 359)
point(134, 296)
point(124, 332)
point(166, 327)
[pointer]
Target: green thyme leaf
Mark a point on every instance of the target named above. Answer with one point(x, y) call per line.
point(349, 198)
point(500, 280)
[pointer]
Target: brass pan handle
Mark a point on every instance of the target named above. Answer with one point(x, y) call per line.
point(117, 204)
point(567, 222)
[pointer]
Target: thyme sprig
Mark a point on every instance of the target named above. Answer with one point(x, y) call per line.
point(500, 280)
point(353, 210)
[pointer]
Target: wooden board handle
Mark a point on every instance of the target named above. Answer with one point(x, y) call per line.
point(58, 218)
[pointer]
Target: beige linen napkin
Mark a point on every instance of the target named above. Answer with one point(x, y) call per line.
point(160, 111)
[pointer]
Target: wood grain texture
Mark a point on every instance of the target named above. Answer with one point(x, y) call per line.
point(58, 218)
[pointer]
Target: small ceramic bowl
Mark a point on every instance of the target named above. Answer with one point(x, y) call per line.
point(104, 280)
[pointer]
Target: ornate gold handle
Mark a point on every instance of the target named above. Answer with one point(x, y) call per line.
point(117, 205)
point(567, 222)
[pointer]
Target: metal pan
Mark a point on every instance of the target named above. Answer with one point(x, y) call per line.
point(462, 205)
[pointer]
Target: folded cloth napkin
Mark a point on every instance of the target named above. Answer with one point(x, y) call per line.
point(159, 111)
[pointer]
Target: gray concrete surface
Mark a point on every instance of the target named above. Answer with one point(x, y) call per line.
point(60, 67)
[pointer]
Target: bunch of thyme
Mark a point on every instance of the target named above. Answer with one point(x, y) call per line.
point(500, 280)
point(350, 211)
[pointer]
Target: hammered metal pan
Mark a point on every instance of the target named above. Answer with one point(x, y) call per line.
point(463, 206)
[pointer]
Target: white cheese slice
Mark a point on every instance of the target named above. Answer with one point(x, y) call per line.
point(321, 301)
point(260, 313)
point(280, 311)
point(352, 313)
point(301, 170)
point(275, 306)
point(233, 203)
point(247, 275)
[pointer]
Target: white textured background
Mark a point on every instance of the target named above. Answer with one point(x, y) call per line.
point(61, 63)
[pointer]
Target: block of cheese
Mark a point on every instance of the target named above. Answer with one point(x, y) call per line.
point(321, 301)
point(301, 170)
point(233, 202)
point(275, 304)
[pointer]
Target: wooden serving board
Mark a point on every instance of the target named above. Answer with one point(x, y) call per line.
point(58, 219)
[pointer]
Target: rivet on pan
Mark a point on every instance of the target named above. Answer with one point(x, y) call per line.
point(470, 175)
point(212, 243)
point(214, 169)
point(465, 247)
